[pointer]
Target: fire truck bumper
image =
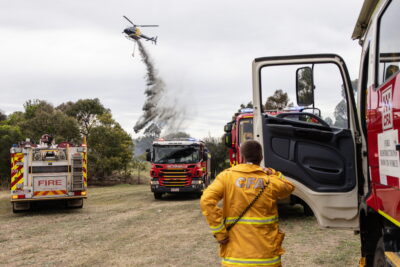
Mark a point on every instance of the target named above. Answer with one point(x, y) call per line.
point(165, 189)
point(46, 199)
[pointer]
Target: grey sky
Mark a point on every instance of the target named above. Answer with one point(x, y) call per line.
point(61, 51)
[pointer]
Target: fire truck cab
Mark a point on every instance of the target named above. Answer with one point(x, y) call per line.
point(48, 172)
point(179, 165)
point(346, 167)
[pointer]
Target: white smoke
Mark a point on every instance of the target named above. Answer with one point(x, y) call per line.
point(158, 114)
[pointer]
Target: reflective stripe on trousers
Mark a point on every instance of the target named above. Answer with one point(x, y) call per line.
point(255, 262)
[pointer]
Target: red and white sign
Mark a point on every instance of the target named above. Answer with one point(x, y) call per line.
point(49, 183)
point(387, 109)
point(389, 160)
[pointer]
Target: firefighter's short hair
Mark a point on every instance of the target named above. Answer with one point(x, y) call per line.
point(251, 151)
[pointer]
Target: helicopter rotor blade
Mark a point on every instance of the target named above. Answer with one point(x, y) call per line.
point(147, 25)
point(129, 21)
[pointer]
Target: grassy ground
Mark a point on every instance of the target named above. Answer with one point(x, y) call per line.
point(124, 226)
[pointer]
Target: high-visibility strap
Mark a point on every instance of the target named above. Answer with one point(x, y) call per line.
point(253, 220)
point(250, 262)
point(218, 228)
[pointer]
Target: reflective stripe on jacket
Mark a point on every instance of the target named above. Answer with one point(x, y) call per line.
point(255, 240)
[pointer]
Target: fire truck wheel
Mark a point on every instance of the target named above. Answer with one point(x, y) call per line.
point(307, 210)
point(158, 195)
point(75, 203)
point(379, 256)
point(20, 207)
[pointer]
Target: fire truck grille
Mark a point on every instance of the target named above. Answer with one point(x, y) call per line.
point(174, 177)
point(50, 169)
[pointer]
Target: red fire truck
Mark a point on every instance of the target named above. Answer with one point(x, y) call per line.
point(47, 172)
point(179, 165)
point(237, 131)
point(346, 167)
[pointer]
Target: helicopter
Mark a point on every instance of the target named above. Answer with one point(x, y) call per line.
point(135, 33)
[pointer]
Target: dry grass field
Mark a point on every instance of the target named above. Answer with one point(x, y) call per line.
point(124, 226)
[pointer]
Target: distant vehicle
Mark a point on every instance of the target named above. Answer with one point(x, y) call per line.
point(179, 165)
point(47, 172)
point(135, 33)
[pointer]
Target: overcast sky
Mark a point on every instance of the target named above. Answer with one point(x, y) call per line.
point(62, 51)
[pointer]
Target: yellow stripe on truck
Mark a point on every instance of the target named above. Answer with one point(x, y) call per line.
point(17, 170)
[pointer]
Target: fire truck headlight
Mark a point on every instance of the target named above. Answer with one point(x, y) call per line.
point(197, 181)
point(154, 183)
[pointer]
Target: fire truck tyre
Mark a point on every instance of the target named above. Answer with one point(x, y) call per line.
point(307, 210)
point(20, 207)
point(158, 195)
point(75, 203)
point(379, 256)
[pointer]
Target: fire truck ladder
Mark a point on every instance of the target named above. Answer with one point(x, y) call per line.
point(77, 177)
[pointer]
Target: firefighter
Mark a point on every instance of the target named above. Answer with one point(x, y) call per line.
point(247, 225)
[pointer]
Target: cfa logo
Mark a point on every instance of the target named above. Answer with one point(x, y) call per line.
point(242, 182)
point(387, 112)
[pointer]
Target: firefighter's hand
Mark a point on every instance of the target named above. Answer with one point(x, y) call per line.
point(224, 241)
point(268, 171)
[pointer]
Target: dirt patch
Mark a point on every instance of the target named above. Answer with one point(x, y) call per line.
point(124, 226)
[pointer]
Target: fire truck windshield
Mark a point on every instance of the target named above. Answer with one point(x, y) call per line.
point(173, 154)
point(245, 130)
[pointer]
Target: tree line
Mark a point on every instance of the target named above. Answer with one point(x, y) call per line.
point(110, 146)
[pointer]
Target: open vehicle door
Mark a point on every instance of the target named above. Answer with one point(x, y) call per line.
point(316, 148)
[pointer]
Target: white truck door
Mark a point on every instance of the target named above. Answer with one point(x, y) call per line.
point(314, 144)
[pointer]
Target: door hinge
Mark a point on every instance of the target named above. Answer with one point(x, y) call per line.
point(357, 138)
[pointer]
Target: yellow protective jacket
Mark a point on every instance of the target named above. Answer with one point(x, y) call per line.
point(255, 240)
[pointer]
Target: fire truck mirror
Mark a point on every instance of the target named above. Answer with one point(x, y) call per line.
point(228, 140)
point(148, 155)
point(228, 127)
point(304, 86)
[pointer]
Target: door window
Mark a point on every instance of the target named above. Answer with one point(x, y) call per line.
point(389, 42)
point(278, 85)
